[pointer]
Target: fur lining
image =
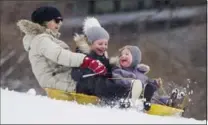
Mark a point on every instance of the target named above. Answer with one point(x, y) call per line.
point(114, 61)
point(81, 43)
point(144, 67)
point(30, 28)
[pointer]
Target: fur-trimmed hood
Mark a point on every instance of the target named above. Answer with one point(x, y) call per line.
point(81, 43)
point(31, 30)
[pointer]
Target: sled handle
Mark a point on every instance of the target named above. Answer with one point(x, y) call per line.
point(89, 75)
point(92, 74)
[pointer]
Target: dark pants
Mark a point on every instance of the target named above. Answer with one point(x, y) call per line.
point(149, 91)
point(101, 87)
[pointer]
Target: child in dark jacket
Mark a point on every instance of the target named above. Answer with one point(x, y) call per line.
point(94, 44)
point(128, 66)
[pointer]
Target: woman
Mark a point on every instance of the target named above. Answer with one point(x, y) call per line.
point(50, 58)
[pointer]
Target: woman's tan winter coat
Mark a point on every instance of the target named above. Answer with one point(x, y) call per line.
point(50, 58)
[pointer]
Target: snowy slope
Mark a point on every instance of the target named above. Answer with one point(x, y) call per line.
point(27, 108)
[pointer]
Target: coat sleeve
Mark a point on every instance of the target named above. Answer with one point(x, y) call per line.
point(123, 74)
point(62, 44)
point(56, 53)
point(76, 74)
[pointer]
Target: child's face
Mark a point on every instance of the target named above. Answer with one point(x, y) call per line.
point(99, 46)
point(125, 58)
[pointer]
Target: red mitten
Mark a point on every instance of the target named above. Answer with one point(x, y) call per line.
point(95, 65)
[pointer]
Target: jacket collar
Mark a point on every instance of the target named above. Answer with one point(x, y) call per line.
point(94, 55)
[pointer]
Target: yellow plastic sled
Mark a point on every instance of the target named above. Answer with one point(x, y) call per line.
point(156, 109)
point(71, 96)
point(162, 110)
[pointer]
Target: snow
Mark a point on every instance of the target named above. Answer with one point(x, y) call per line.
point(25, 108)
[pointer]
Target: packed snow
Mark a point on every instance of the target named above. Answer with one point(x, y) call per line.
point(26, 108)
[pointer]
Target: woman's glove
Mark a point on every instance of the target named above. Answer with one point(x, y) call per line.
point(95, 65)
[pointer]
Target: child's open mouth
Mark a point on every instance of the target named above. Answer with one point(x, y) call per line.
point(100, 52)
point(124, 61)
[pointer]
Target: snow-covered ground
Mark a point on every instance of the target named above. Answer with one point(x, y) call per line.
point(27, 108)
